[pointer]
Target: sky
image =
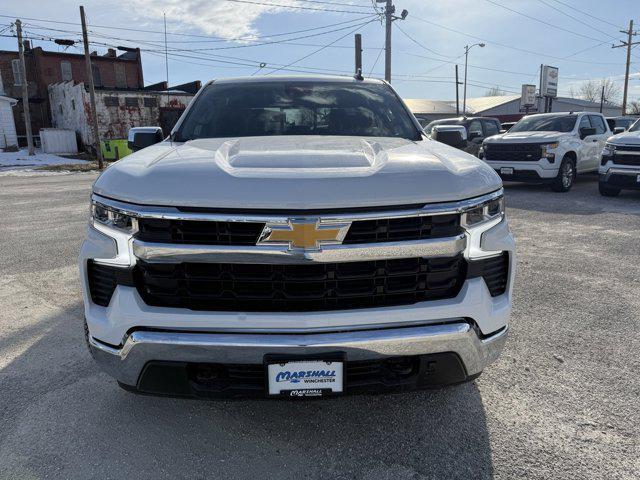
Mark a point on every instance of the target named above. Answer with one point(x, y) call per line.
point(210, 39)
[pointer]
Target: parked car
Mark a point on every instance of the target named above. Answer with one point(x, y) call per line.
point(620, 164)
point(620, 124)
point(548, 148)
point(296, 236)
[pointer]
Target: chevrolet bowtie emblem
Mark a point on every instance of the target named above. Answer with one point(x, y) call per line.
point(303, 233)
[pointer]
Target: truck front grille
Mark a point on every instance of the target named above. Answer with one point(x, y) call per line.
point(513, 152)
point(332, 286)
point(197, 232)
point(630, 158)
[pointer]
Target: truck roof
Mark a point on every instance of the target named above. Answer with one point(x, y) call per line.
point(294, 78)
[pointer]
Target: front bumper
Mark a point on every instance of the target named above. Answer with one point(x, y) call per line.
point(127, 363)
point(540, 171)
point(621, 177)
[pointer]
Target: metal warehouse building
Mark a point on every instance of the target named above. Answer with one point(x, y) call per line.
point(505, 107)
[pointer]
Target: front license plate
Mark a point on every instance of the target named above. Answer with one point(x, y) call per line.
point(506, 171)
point(309, 378)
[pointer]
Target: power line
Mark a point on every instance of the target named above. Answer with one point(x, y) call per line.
point(376, 62)
point(573, 7)
point(212, 39)
point(576, 19)
point(503, 45)
point(336, 3)
point(420, 44)
point(321, 48)
point(298, 7)
point(541, 21)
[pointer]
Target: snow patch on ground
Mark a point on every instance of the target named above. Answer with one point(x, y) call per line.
point(22, 159)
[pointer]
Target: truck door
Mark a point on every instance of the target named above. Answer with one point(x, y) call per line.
point(602, 133)
point(588, 146)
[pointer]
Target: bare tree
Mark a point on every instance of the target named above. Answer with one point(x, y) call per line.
point(495, 92)
point(633, 107)
point(591, 90)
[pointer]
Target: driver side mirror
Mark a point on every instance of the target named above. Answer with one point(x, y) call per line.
point(586, 131)
point(618, 130)
point(143, 137)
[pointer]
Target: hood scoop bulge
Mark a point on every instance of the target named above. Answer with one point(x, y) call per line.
point(300, 156)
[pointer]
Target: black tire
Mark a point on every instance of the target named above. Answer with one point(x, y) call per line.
point(566, 175)
point(608, 190)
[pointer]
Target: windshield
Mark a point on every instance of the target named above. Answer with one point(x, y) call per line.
point(546, 123)
point(635, 127)
point(297, 108)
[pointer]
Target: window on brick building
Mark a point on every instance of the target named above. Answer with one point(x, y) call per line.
point(121, 76)
point(97, 79)
point(65, 67)
point(111, 101)
point(150, 102)
point(17, 72)
point(131, 101)
point(1, 86)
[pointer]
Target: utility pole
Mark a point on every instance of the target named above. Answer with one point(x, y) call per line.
point(389, 17)
point(92, 90)
point(25, 89)
point(388, 13)
point(466, 59)
point(601, 98)
point(358, 47)
point(457, 94)
point(629, 44)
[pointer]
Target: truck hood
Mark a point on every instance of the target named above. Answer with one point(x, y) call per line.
point(625, 138)
point(527, 137)
point(296, 172)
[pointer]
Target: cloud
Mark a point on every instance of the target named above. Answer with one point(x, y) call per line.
point(220, 18)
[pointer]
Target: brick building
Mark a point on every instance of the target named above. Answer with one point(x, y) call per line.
point(43, 68)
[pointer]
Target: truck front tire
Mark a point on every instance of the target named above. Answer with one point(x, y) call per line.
point(566, 175)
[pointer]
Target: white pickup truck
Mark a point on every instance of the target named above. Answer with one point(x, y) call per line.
point(295, 236)
point(548, 148)
point(620, 164)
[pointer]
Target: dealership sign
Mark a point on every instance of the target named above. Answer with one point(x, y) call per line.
point(549, 86)
point(528, 98)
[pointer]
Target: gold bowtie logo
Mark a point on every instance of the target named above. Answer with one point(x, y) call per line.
point(304, 234)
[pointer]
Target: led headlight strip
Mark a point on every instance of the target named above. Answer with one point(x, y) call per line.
point(120, 227)
point(477, 220)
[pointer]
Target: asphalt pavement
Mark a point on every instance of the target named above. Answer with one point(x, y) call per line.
point(563, 401)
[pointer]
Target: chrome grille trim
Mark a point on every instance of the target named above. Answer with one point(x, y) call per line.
point(276, 254)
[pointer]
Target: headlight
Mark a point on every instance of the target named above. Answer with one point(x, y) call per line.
point(609, 149)
point(547, 154)
point(477, 220)
point(484, 213)
point(112, 218)
point(481, 153)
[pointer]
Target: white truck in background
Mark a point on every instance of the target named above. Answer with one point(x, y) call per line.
point(549, 148)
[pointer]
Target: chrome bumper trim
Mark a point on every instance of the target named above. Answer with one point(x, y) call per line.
point(621, 171)
point(126, 363)
point(281, 254)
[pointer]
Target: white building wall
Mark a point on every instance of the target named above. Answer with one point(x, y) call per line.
point(8, 137)
point(69, 109)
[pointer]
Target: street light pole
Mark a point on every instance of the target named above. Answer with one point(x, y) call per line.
point(466, 59)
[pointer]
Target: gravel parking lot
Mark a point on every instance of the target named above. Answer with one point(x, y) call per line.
point(563, 401)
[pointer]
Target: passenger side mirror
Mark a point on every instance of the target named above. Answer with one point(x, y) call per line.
point(586, 131)
point(618, 130)
point(143, 137)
